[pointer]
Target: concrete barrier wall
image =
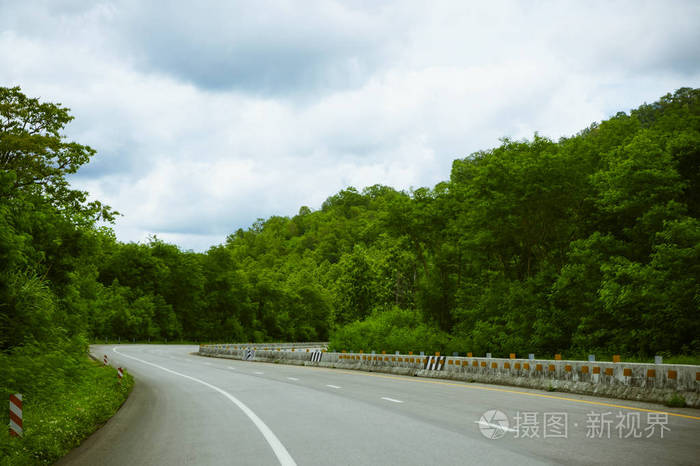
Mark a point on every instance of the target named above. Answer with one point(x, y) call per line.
point(632, 381)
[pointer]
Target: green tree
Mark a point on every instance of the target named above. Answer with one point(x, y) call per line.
point(37, 157)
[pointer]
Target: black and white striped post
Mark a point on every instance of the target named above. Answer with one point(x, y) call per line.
point(120, 374)
point(435, 363)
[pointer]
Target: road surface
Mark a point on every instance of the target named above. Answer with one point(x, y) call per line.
point(190, 410)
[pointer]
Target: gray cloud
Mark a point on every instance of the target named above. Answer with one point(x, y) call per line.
point(269, 48)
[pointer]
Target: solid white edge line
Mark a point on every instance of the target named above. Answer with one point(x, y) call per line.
point(333, 386)
point(279, 450)
point(391, 399)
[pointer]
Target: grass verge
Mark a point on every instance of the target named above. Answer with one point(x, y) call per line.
point(58, 423)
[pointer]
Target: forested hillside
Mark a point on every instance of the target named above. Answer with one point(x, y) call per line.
point(589, 243)
point(49, 246)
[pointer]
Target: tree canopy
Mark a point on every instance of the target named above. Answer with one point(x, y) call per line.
point(588, 243)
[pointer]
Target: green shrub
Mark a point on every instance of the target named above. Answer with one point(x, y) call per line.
point(83, 396)
point(675, 401)
point(391, 330)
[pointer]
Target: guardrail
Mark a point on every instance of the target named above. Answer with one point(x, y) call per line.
point(634, 381)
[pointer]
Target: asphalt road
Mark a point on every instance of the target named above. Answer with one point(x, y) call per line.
point(187, 409)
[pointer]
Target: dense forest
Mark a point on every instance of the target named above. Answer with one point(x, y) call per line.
point(589, 243)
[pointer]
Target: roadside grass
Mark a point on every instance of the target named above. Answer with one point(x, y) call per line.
point(57, 423)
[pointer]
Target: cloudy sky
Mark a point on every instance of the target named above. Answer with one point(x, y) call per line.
point(207, 117)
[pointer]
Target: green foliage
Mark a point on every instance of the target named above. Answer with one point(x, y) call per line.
point(49, 246)
point(59, 416)
point(31, 310)
point(675, 401)
point(37, 156)
point(586, 244)
point(389, 330)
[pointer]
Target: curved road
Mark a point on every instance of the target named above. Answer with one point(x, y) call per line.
point(187, 409)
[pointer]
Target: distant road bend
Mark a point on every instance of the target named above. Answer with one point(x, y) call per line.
point(186, 409)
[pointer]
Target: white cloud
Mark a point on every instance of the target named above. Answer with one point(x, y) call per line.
point(192, 161)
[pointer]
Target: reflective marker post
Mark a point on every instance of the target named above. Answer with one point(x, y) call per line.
point(16, 415)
